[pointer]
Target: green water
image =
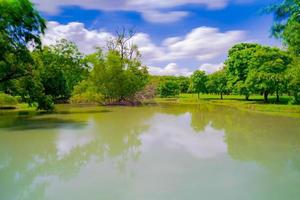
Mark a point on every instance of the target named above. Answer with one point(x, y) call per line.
point(149, 153)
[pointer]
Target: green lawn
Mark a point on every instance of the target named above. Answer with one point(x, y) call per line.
point(255, 104)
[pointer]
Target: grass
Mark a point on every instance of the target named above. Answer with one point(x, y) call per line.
point(7, 101)
point(255, 104)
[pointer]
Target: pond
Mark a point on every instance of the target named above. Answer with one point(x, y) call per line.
point(162, 152)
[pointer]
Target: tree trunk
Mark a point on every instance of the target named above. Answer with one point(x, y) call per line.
point(266, 96)
point(277, 96)
point(221, 95)
point(247, 97)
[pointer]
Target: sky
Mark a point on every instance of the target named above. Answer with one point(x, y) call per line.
point(175, 37)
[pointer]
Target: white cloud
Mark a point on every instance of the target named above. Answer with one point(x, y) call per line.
point(85, 39)
point(210, 68)
point(171, 69)
point(201, 45)
point(164, 17)
point(151, 10)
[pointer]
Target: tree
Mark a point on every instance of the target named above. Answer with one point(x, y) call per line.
point(237, 67)
point(116, 78)
point(122, 43)
point(61, 67)
point(169, 89)
point(20, 27)
point(217, 83)
point(267, 71)
point(287, 23)
point(294, 80)
point(287, 28)
point(198, 82)
point(184, 83)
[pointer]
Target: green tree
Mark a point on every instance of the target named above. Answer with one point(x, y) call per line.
point(237, 67)
point(287, 23)
point(198, 82)
point(287, 28)
point(267, 71)
point(294, 80)
point(117, 78)
point(184, 83)
point(169, 88)
point(217, 83)
point(61, 67)
point(20, 27)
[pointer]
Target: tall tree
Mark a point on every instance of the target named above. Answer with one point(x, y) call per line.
point(237, 67)
point(20, 27)
point(217, 83)
point(198, 82)
point(267, 71)
point(116, 78)
point(287, 23)
point(61, 66)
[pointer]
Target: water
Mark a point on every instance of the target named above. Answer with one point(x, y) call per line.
point(149, 153)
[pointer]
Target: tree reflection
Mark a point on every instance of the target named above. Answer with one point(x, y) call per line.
point(272, 141)
point(30, 159)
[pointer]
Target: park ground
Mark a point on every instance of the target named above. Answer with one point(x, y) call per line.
point(255, 104)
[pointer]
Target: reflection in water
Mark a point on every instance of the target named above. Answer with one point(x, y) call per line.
point(166, 152)
point(175, 133)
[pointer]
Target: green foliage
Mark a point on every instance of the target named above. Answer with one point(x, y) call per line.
point(237, 67)
point(287, 23)
point(7, 100)
point(169, 88)
point(20, 26)
point(294, 83)
point(60, 68)
point(198, 82)
point(267, 71)
point(116, 78)
point(86, 93)
point(45, 102)
point(217, 83)
point(184, 83)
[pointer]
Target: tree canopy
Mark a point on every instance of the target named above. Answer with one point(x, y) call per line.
point(198, 82)
point(21, 27)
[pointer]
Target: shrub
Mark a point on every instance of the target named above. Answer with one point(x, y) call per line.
point(7, 100)
point(169, 89)
point(85, 93)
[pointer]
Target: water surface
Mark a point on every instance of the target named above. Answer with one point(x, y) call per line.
point(149, 153)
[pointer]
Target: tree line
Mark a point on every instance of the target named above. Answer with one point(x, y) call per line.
point(114, 74)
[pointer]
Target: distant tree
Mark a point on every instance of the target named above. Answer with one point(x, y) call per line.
point(198, 82)
point(21, 26)
point(267, 71)
point(237, 67)
point(169, 88)
point(122, 43)
point(217, 83)
point(116, 78)
point(184, 83)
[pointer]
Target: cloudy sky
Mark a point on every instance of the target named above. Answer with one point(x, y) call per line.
point(175, 37)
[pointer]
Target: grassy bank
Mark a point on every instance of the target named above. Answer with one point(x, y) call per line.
point(255, 104)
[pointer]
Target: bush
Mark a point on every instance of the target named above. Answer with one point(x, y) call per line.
point(169, 89)
point(7, 100)
point(85, 93)
point(45, 102)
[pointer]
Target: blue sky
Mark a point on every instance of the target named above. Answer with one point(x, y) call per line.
point(174, 36)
